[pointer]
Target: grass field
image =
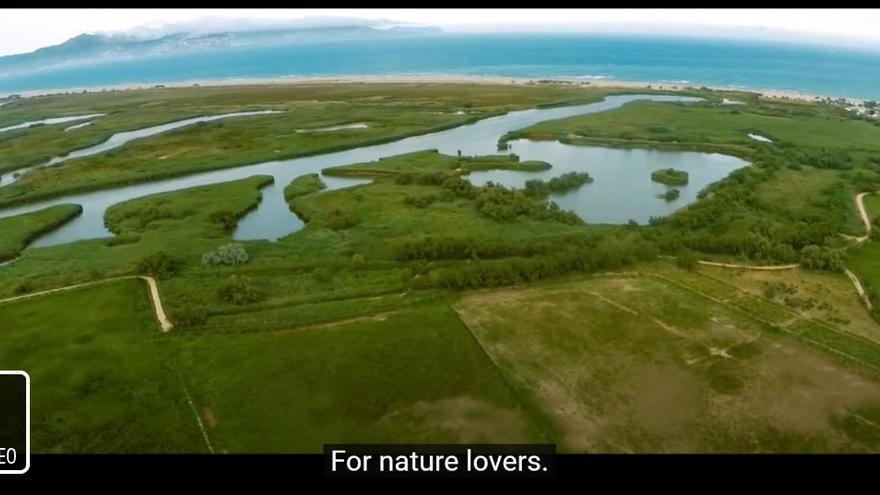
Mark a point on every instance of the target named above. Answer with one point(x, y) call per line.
point(102, 377)
point(106, 380)
point(637, 364)
point(413, 375)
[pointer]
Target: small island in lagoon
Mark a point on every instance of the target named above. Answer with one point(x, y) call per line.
point(564, 183)
point(670, 194)
point(670, 177)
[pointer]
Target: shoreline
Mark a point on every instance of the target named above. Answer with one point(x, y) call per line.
point(433, 79)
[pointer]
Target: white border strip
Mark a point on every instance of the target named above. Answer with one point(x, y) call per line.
point(27, 421)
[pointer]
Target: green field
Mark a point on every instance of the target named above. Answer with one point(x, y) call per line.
point(413, 375)
point(102, 377)
point(106, 380)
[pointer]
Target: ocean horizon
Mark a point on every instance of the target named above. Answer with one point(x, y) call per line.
point(733, 64)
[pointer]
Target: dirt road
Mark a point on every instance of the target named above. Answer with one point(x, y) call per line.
point(863, 213)
point(750, 267)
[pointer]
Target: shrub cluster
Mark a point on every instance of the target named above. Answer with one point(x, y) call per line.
point(227, 254)
point(238, 290)
point(609, 253)
point(821, 258)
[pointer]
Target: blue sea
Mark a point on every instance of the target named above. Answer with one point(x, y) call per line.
point(832, 71)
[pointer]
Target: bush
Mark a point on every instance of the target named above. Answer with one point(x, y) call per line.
point(227, 254)
point(686, 259)
point(238, 290)
point(339, 220)
point(159, 265)
point(502, 204)
point(421, 201)
point(225, 218)
point(190, 316)
point(23, 288)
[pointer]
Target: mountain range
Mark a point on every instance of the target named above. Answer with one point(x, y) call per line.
point(103, 48)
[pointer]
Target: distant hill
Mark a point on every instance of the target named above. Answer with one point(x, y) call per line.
point(99, 48)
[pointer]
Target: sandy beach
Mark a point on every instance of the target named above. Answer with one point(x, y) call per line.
point(436, 79)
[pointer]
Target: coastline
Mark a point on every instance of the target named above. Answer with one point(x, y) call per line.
point(436, 79)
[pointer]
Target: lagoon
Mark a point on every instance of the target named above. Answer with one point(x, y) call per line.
point(622, 189)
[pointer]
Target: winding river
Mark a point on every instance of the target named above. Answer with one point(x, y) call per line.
point(51, 121)
point(619, 188)
point(121, 138)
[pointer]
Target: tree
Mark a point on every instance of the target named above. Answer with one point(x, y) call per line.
point(819, 258)
point(158, 264)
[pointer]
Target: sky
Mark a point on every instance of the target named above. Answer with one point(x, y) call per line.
point(25, 30)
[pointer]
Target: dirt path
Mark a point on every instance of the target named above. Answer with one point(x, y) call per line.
point(863, 213)
point(859, 288)
point(164, 323)
point(750, 267)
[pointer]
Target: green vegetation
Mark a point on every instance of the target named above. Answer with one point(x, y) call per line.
point(797, 193)
point(670, 177)
point(238, 290)
point(430, 168)
point(712, 127)
point(116, 384)
point(564, 183)
point(408, 376)
point(305, 184)
point(346, 325)
point(392, 111)
point(406, 167)
point(19, 230)
point(212, 208)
